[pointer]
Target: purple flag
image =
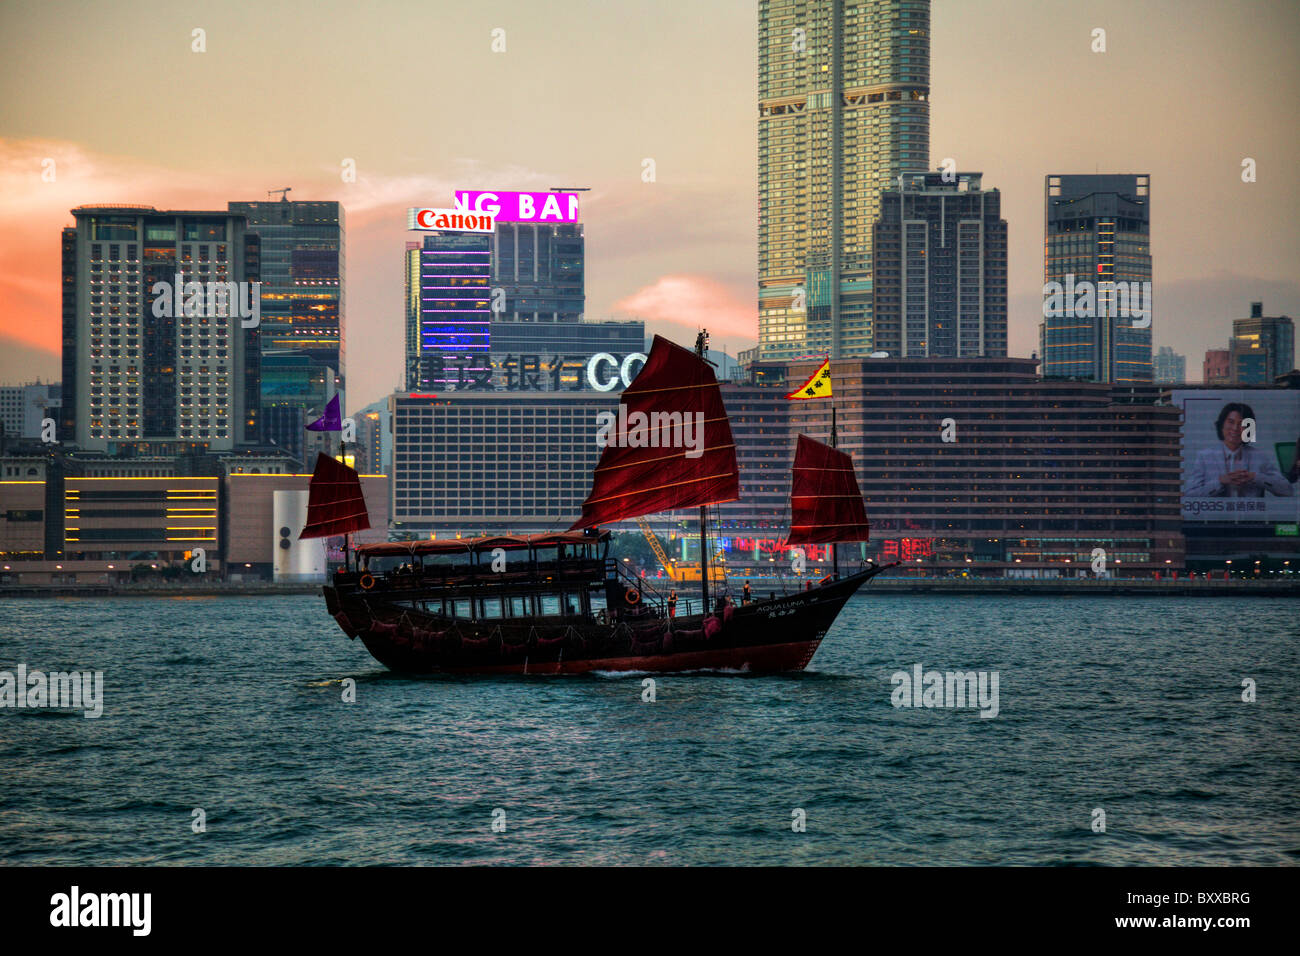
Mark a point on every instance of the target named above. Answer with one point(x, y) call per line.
point(331, 421)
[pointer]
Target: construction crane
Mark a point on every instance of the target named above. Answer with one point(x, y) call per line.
point(284, 193)
point(657, 548)
point(679, 573)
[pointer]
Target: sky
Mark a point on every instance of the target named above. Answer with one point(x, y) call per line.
point(109, 102)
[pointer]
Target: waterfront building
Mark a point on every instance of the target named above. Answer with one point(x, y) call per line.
point(1037, 474)
point(88, 529)
point(1262, 347)
point(843, 110)
point(148, 364)
point(940, 268)
point(470, 462)
point(1041, 473)
point(1097, 232)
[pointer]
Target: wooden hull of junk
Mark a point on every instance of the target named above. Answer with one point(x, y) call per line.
point(766, 636)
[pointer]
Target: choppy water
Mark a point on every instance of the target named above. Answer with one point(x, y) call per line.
point(234, 705)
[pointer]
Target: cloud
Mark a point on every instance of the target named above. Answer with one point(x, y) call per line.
point(692, 301)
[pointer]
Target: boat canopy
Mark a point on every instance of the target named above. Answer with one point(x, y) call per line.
point(514, 542)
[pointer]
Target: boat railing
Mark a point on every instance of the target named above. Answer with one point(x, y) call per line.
point(650, 594)
point(453, 576)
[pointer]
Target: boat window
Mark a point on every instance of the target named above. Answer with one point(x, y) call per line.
point(489, 607)
point(518, 606)
point(572, 603)
point(597, 601)
point(461, 608)
point(550, 604)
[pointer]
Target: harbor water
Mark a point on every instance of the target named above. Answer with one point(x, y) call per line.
point(225, 738)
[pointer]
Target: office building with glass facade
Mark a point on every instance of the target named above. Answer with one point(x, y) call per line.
point(302, 272)
point(1097, 237)
point(1262, 348)
point(1171, 368)
point(448, 291)
point(538, 272)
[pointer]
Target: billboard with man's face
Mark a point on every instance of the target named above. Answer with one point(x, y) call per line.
point(1239, 454)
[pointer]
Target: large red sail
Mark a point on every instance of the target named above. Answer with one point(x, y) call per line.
point(825, 503)
point(655, 459)
point(336, 505)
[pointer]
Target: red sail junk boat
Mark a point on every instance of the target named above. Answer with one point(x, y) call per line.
point(556, 603)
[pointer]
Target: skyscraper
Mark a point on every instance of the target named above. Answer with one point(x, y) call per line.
point(303, 259)
point(447, 304)
point(1171, 368)
point(1262, 347)
point(940, 273)
point(1097, 239)
point(843, 91)
point(539, 269)
point(160, 329)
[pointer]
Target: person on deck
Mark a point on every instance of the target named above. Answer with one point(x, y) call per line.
point(745, 595)
point(672, 604)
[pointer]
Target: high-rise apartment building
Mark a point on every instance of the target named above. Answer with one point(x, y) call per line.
point(843, 104)
point(447, 304)
point(302, 274)
point(1262, 347)
point(940, 273)
point(161, 316)
point(1098, 250)
point(1171, 368)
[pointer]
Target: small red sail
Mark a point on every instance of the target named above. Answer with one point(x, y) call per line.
point(825, 503)
point(336, 505)
point(657, 459)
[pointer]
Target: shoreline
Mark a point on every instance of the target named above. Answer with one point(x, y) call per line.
point(1121, 587)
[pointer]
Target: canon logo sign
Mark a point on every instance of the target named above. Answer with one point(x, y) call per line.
point(453, 220)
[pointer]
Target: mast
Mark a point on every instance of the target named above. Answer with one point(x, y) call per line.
point(701, 347)
point(835, 548)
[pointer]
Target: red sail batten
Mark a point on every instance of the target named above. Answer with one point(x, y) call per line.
point(631, 481)
point(825, 503)
point(336, 504)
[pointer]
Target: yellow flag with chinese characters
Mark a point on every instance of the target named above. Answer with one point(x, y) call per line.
point(818, 386)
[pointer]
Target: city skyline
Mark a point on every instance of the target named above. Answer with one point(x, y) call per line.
point(677, 251)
